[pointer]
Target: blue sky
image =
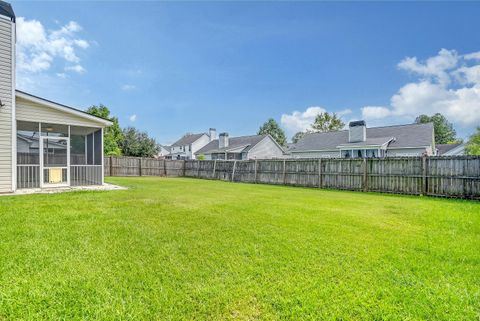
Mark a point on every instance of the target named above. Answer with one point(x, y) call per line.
point(170, 68)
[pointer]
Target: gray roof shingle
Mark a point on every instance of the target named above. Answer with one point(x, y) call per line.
point(411, 135)
point(444, 148)
point(187, 139)
point(233, 143)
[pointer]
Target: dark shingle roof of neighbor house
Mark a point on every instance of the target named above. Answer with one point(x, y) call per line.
point(444, 148)
point(412, 135)
point(233, 143)
point(7, 10)
point(187, 139)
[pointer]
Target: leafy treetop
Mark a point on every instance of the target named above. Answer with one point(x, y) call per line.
point(325, 122)
point(112, 135)
point(444, 131)
point(473, 144)
point(272, 128)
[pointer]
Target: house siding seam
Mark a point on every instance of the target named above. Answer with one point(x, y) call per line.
point(6, 112)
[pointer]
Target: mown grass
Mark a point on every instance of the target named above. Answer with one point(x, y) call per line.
point(177, 249)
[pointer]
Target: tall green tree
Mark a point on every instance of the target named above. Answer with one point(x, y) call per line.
point(138, 144)
point(326, 122)
point(272, 128)
point(444, 131)
point(112, 135)
point(473, 144)
point(297, 137)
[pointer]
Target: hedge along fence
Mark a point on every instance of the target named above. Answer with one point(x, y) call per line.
point(457, 176)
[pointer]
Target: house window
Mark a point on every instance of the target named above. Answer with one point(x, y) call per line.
point(372, 153)
point(346, 154)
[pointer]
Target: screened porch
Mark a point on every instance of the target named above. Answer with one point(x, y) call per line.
point(56, 155)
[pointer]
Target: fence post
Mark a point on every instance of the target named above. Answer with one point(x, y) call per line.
point(284, 173)
point(255, 171)
point(165, 167)
point(214, 168)
point(111, 165)
point(424, 175)
point(184, 167)
point(198, 169)
point(233, 170)
point(365, 177)
point(320, 172)
point(140, 166)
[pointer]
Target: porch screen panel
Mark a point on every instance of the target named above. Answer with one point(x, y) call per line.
point(97, 147)
point(90, 149)
point(78, 150)
point(28, 154)
point(85, 156)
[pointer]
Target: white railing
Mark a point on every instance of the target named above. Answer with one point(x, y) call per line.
point(82, 175)
point(28, 176)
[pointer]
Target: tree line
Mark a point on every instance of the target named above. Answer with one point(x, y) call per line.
point(325, 122)
point(128, 141)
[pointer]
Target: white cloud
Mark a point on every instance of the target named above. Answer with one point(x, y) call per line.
point(448, 83)
point(127, 87)
point(38, 49)
point(76, 68)
point(300, 121)
point(473, 55)
point(133, 118)
point(81, 43)
point(375, 112)
point(434, 67)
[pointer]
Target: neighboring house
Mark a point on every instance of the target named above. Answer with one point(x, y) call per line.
point(450, 149)
point(359, 142)
point(164, 152)
point(243, 147)
point(42, 143)
point(187, 146)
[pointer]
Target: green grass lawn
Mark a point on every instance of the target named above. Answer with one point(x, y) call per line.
point(177, 249)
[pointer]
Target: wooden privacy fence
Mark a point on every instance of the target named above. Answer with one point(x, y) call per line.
point(457, 176)
point(136, 166)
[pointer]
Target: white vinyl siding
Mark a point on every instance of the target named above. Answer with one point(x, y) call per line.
point(392, 152)
point(6, 90)
point(265, 149)
point(316, 154)
point(33, 112)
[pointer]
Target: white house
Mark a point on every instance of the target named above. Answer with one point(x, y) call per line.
point(163, 152)
point(450, 149)
point(243, 147)
point(360, 142)
point(42, 143)
point(189, 144)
